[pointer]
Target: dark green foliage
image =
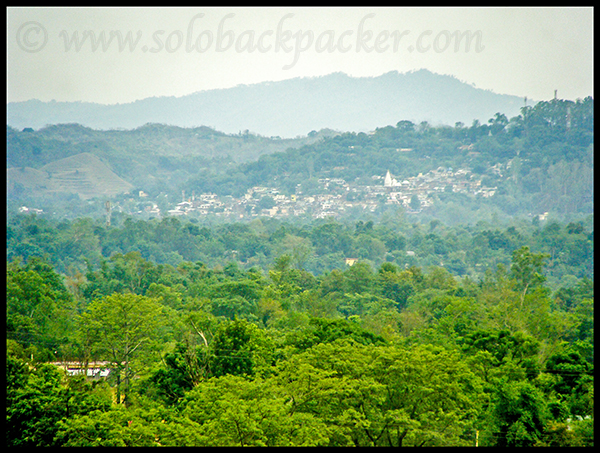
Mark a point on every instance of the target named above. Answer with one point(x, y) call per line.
point(39, 308)
point(573, 374)
point(327, 331)
point(183, 369)
point(521, 415)
point(37, 400)
point(234, 349)
point(501, 344)
point(520, 349)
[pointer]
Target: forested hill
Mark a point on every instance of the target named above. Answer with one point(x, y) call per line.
point(290, 107)
point(539, 161)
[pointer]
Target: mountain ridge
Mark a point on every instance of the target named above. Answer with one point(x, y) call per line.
point(288, 108)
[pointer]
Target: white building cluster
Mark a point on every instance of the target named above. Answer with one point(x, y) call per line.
point(335, 197)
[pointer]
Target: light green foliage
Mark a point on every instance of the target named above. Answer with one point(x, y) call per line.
point(234, 411)
point(526, 268)
point(384, 396)
point(362, 355)
point(120, 329)
point(120, 427)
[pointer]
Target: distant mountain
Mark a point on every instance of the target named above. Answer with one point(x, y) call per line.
point(289, 108)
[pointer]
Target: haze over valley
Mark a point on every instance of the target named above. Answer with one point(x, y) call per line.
point(289, 108)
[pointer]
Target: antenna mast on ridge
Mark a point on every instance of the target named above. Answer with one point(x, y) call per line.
point(107, 206)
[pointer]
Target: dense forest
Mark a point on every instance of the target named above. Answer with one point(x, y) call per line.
point(319, 246)
point(383, 352)
point(470, 324)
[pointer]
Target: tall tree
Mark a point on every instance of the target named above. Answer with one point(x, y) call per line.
point(120, 328)
point(526, 269)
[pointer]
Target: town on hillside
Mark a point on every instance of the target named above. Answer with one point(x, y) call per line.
point(334, 198)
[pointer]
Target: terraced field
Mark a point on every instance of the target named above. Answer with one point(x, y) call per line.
point(83, 174)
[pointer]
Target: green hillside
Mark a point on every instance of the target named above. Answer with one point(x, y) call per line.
point(153, 157)
point(539, 161)
point(83, 174)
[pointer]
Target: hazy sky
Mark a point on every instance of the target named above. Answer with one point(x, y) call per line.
point(58, 53)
